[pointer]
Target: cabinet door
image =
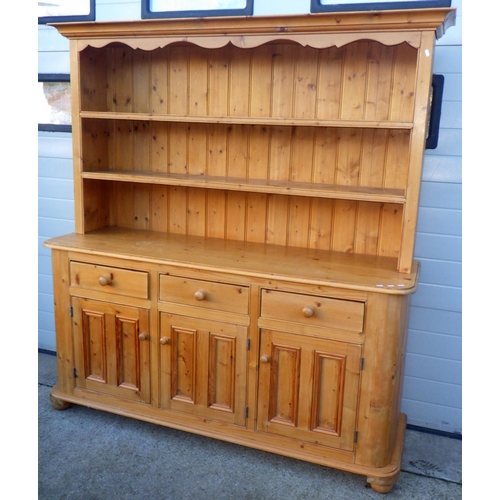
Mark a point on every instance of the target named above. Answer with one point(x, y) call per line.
point(203, 368)
point(112, 349)
point(308, 388)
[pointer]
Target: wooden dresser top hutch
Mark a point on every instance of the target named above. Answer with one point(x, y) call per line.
point(246, 196)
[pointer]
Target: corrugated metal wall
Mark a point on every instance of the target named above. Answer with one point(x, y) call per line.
point(433, 377)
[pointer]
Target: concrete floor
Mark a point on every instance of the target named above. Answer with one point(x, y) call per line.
point(92, 455)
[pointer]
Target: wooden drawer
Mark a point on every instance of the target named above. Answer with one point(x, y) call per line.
point(206, 294)
point(313, 310)
point(109, 279)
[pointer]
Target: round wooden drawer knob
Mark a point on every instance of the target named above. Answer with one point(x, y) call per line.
point(308, 312)
point(164, 341)
point(105, 280)
point(200, 295)
point(143, 336)
point(265, 358)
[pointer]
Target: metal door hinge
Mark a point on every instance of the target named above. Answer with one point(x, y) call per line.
point(361, 364)
point(74, 373)
point(71, 311)
point(246, 411)
point(355, 436)
point(248, 344)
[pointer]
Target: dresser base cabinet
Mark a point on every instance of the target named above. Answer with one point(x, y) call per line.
point(246, 198)
point(266, 358)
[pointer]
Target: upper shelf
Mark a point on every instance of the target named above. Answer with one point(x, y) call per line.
point(322, 30)
point(241, 120)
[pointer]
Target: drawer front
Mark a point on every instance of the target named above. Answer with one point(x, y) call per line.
point(313, 310)
point(206, 294)
point(109, 279)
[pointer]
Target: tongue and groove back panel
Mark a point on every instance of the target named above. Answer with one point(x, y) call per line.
point(316, 124)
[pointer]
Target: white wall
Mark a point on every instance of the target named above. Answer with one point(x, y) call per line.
point(433, 376)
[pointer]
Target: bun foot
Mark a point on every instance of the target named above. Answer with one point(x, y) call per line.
point(58, 404)
point(382, 485)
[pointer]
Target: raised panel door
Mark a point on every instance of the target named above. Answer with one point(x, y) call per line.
point(203, 368)
point(308, 388)
point(112, 349)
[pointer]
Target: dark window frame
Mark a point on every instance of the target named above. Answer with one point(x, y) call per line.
point(435, 112)
point(53, 77)
point(63, 19)
point(317, 6)
point(147, 13)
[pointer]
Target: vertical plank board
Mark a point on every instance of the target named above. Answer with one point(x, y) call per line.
point(178, 105)
point(325, 156)
point(398, 158)
point(110, 79)
point(196, 200)
point(93, 64)
point(344, 221)
point(349, 157)
point(330, 78)
point(306, 82)
point(258, 151)
point(159, 208)
point(123, 209)
point(160, 146)
point(197, 149)
point(218, 82)
point(178, 148)
point(256, 217)
point(177, 210)
point(96, 143)
point(283, 81)
point(367, 228)
point(373, 158)
point(178, 80)
point(237, 167)
point(354, 83)
point(141, 99)
point(239, 81)
point(215, 213)
point(298, 223)
point(403, 94)
point(379, 81)
point(302, 153)
point(96, 204)
point(198, 81)
point(236, 215)
point(159, 81)
point(279, 153)
point(217, 149)
point(321, 223)
point(261, 78)
point(142, 140)
point(142, 206)
point(390, 230)
point(124, 144)
point(277, 219)
point(237, 153)
point(123, 79)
